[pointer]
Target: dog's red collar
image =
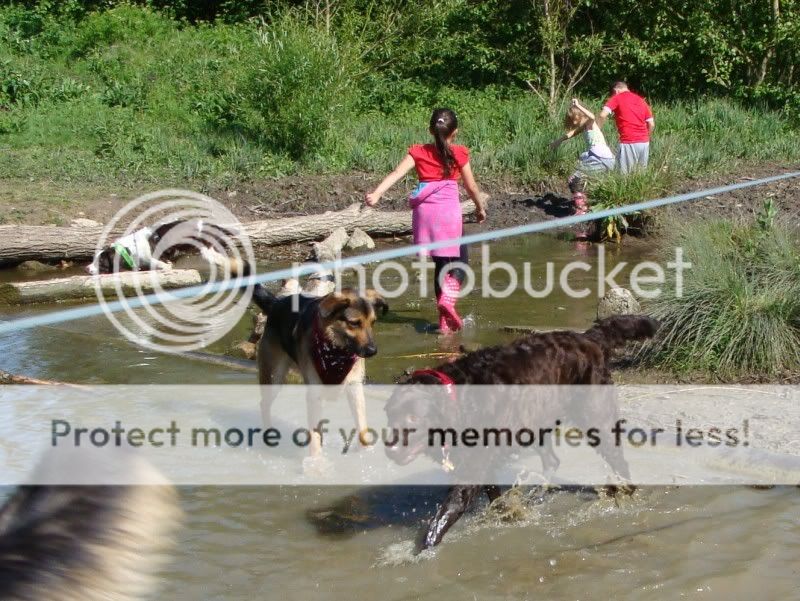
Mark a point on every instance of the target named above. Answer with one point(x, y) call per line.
point(446, 381)
point(331, 362)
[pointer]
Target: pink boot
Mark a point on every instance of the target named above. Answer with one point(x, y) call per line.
point(581, 208)
point(579, 200)
point(449, 320)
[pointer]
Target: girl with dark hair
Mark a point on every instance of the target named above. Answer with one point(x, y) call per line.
point(436, 209)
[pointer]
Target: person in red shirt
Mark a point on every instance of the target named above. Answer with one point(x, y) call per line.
point(635, 123)
point(436, 210)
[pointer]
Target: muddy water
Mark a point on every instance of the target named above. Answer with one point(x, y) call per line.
point(337, 543)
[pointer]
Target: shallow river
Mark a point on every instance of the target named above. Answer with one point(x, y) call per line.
point(243, 543)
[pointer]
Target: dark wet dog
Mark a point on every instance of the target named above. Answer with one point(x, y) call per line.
point(555, 358)
point(326, 338)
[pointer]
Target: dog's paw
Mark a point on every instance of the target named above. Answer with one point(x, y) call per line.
point(366, 441)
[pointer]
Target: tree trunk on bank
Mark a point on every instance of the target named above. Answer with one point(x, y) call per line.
point(52, 243)
point(20, 243)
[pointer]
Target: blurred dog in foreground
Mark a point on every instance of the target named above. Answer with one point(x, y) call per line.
point(86, 542)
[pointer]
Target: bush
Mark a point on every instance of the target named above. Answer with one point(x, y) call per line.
point(18, 87)
point(99, 88)
point(123, 24)
point(739, 314)
point(298, 86)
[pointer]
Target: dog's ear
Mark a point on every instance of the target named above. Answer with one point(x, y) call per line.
point(333, 302)
point(105, 261)
point(378, 303)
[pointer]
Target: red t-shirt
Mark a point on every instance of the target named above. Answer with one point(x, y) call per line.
point(631, 113)
point(429, 166)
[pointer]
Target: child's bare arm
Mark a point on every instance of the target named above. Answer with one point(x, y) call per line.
point(478, 197)
point(603, 117)
point(557, 142)
point(577, 104)
point(403, 167)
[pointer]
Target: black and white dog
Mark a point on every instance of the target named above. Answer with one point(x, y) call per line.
point(156, 248)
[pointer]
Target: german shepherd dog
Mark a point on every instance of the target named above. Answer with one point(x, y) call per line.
point(86, 542)
point(552, 358)
point(135, 251)
point(326, 338)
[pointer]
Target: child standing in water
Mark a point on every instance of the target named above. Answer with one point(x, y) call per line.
point(597, 159)
point(436, 209)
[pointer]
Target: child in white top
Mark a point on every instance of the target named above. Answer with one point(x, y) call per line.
point(595, 160)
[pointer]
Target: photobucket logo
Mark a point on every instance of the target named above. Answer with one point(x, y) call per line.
point(155, 228)
point(501, 279)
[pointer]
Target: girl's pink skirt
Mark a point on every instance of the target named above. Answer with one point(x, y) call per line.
point(436, 215)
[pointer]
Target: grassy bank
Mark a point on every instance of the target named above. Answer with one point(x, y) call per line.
point(131, 95)
point(739, 311)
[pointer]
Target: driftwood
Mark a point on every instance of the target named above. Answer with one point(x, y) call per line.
point(51, 243)
point(331, 247)
point(8, 378)
point(315, 227)
point(221, 360)
point(83, 286)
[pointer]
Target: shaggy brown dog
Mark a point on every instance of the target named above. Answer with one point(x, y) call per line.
point(553, 358)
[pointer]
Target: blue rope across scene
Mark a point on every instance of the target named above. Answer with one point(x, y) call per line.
point(54, 317)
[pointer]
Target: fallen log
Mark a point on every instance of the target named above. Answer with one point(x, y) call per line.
point(315, 227)
point(331, 247)
point(20, 243)
point(16, 379)
point(51, 243)
point(81, 287)
point(221, 360)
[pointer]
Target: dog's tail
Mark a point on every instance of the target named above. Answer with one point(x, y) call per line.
point(263, 298)
point(613, 332)
point(86, 542)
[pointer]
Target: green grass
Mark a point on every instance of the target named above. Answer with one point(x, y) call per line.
point(739, 314)
point(129, 94)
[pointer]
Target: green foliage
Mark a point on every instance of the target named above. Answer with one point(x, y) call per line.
point(17, 87)
point(617, 190)
point(172, 90)
point(739, 313)
point(299, 84)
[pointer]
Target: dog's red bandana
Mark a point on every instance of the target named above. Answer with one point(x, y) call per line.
point(447, 381)
point(331, 362)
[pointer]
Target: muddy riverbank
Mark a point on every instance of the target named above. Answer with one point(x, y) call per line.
point(51, 202)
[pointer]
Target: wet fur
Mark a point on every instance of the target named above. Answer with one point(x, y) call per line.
point(347, 319)
point(85, 543)
point(554, 358)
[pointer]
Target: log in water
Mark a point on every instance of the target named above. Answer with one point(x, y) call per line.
point(52, 243)
point(82, 287)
